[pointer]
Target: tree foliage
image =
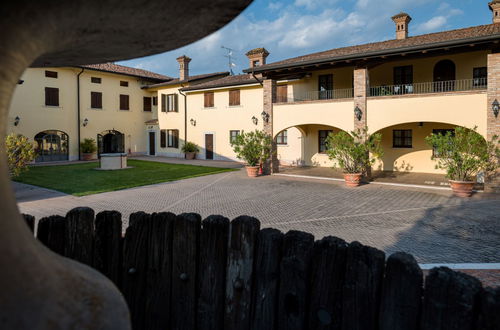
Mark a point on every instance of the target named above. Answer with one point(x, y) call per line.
point(464, 153)
point(20, 153)
point(354, 152)
point(190, 147)
point(88, 146)
point(253, 147)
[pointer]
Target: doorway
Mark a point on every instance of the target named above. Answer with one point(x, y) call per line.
point(444, 76)
point(110, 142)
point(152, 141)
point(209, 146)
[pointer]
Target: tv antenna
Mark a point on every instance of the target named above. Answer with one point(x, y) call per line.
point(230, 58)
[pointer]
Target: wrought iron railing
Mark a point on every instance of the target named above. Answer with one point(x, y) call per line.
point(430, 87)
point(335, 94)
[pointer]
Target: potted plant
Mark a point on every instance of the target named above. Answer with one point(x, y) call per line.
point(87, 148)
point(190, 149)
point(354, 153)
point(463, 153)
point(254, 148)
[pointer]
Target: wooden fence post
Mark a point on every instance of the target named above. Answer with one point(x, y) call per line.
point(134, 276)
point(266, 279)
point(30, 221)
point(294, 280)
point(489, 317)
point(80, 234)
point(108, 245)
point(450, 300)
point(51, 232)
point(401, 293)
point(242, 241)
point(327, 280)
point(212, 272)
point(184, 271)
point(159, 271)
point(362, 287)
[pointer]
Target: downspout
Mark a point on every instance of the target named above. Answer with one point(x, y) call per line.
point(185, 115)
point(78, 111)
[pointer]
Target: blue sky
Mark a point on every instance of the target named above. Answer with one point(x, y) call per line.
point(296, 27)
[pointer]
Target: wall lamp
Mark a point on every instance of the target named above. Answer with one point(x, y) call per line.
point(495, 106)
point(85, 122)
point(193, 122)
point(265, 116)
point(358, 113)
point(255, 120)
point(17, 120)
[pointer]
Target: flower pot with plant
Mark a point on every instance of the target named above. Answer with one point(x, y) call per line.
point(354, 153)
point(463, 153)
point(88, 147)
point(254, 148)
point(190, 149)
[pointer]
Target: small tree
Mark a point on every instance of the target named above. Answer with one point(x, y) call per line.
point(253, 147)
point(20, 153)
point(88, 146)
point(354, 152)
point(464, 153)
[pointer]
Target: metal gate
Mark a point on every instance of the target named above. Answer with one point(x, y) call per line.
point(51, 146)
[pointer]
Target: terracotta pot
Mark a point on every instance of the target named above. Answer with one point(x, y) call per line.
point(462, 188)
point(87, 156)
point(252, 171)
point(190, 155)
point(353, 179)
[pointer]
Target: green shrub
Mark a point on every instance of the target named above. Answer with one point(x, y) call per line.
point(354, 152)
point(20, 153)
point(88, 146)
point(464, 153)
point(254, 148)
point(190, 147)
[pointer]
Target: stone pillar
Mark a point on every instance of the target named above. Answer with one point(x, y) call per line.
point(493, 123)
point(361, 83)
point(271, 166)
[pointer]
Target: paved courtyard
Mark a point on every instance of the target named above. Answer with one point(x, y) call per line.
point(430, 224)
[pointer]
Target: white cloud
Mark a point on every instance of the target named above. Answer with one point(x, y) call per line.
point(275, 5)
point(314, 4)
point(433, 24)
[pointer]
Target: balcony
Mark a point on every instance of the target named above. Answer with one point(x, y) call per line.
point(430, 87)
point(336, 94)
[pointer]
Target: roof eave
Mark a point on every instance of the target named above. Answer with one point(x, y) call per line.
point(123, 74)
point(200, 88)
point(180, 82)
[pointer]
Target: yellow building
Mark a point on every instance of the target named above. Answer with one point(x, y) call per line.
point(405, 88)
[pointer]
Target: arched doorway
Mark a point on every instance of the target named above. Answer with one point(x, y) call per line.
point(444, 76)
point(111, 141)
point(51, 146)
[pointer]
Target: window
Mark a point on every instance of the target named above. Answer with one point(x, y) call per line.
point(173, 138)
point(50, 74)
point(169, 103)
point(441, 132)
point(403, 79)
point(96, 100)
point(123, 83)
point(163, 138)
point(480, 77)
point(155, 100)
point(401, 138)
point(282, 138)
point(52, 96)
point(282, 93)
point(325, 86)
point(209, 100)
point(95, 80)
point(256, 63)
point(234, 97)
point(322, 135)
point(147, 103)
point(233, 135)
point(124, 102)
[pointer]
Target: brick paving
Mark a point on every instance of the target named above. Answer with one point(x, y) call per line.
point(433, 225)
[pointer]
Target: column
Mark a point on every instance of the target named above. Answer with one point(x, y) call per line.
point(271, 166)
point(361, 81)
point(493, 122)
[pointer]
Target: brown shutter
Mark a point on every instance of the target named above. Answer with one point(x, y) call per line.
point(147, 103)
point(176, 103)
point(51, 96)
point(163, 138)
point(234, 97)
point(96, 100)
point(176, 138)
point(124, 105)
point(209, 99)
point(206, 100)
point(282, 93)
point(163, 103)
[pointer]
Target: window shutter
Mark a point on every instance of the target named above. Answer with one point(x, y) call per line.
point(124, 105)
point(205, 102)
point(51, 96)
point(96, 100)
point(176, 138)
point(282, 93)
point(147, 103)
point(163, 103)
point(176, 103)
point(209, 99)
point(163, 138)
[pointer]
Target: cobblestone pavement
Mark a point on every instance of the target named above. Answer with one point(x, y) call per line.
point(432, 225)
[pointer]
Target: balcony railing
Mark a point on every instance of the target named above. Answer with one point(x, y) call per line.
point(430, 87)
point(335, 94)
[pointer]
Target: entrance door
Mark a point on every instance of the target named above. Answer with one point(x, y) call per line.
point(444, 76)
point(152, 147)
point(209, 146)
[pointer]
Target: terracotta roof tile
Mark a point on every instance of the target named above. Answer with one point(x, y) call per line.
point(125, 70)
point(391, 45)
point(191, 79)
point(240, 79)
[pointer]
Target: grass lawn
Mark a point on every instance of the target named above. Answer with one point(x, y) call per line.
point(83, 179)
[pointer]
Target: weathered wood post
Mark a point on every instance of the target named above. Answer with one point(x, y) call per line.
point(79, 239)
point(51, 232)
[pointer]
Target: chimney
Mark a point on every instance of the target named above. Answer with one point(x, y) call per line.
point(257, 57)
point(495, 8)
point(402, 21)
point(183, 67)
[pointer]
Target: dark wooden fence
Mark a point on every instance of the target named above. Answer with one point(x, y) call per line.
point(179, 272)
